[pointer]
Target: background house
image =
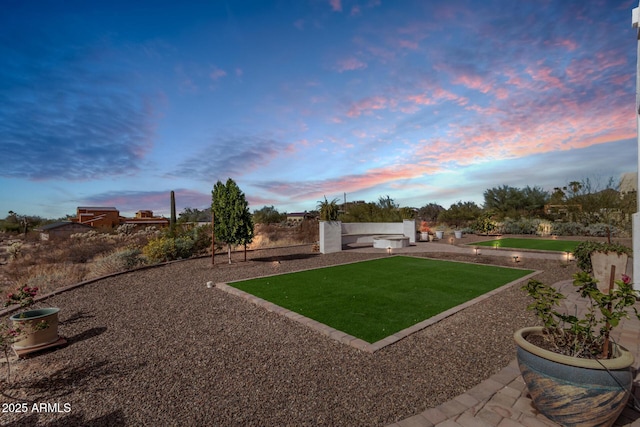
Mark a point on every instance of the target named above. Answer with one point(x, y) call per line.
point(62, 230)
point(99, 217)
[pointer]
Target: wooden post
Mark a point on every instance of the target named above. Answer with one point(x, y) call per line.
point(213, 240)
point(605, 346)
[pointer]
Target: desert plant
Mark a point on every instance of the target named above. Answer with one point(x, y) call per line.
point(567, 229)
point(24, 297)
point(587, 336)
point(328, 209)
point(117, 261)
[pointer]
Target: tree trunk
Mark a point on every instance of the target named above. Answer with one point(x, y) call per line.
point(229, 254)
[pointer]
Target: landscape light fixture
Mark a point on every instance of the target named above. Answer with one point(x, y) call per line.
point(515, 258)
point(477, 249)
point(389, 250)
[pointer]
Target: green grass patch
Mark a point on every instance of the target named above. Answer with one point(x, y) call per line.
point(539, 244)
point(374, 299)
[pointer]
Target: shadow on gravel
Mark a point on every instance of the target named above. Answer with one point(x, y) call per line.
point(115, 418)
point(76, 317)
point(89, 333)
point(290, 257)
point(63, 382)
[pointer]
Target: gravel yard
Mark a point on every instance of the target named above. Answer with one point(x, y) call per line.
point(156, 347)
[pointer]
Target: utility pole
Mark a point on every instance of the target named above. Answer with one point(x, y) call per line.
point(635, 20)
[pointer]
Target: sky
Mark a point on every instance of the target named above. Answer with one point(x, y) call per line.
point(119, 103)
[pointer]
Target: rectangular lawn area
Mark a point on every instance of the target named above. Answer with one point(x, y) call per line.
point(540, 244)
point(374, 299)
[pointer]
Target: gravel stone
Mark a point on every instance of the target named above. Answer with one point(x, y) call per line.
point(158, 347)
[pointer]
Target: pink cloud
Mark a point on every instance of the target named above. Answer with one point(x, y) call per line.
point(351, 183)
point(407, 44)
point(217, 73)
point(543, 74)
point(473, 82)
point(350, 64)
point(570, 45)
point(336, 5)
point(367, 105)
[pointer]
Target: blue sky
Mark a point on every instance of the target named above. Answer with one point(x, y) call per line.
point(119, 103)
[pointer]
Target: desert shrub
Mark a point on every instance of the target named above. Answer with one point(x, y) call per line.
point(568, 229)
point(184, 247)
point(201, 237)
point(601, 230)
point(15, 250)
point(47, 277)
point(116, 261)
point(520, 226)
point(308, 231)
point(167, 248)
point(160, 249)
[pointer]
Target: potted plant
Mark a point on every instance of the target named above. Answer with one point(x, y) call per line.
point(575, 373)
point(424, 231)
point(458, 234)
point(439, 232)
point(30, 330)
point(598, 257)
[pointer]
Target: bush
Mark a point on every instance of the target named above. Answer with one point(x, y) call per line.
point(167, 248)
point(520, 226)
point(568, 229)
point(601, 230)
point(160, 249)
point(119, 260)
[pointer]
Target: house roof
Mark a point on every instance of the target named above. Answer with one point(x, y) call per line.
point(62, 224)
point(98, 208)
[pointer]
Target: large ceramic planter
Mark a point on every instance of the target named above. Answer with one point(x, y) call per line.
point(573, 391)
point(601, 263)
point(32, 336)
point(439, 234)
point(424, 236)
point(458, 234)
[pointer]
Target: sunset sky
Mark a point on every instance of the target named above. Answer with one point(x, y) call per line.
point(118, 103)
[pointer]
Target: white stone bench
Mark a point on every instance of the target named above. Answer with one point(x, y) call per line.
point(334, 235)
point(361, 238)
point(385, 242)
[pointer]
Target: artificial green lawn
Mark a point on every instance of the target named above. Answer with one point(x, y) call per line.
point(540, 244)
point(374, 299)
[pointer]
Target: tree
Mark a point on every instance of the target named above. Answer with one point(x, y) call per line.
point(460, 213)
point(194, 215)
point(430, 212)
point(268, 215)
point(507, 201)
point(232, 220)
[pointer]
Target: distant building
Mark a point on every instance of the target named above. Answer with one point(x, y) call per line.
point(62, 230)
point(145, 218)
point(99, 217)
point(629, 183)
point(298, 216)
point(108, 217)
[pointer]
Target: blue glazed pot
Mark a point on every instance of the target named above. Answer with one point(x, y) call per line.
point(572, 391)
